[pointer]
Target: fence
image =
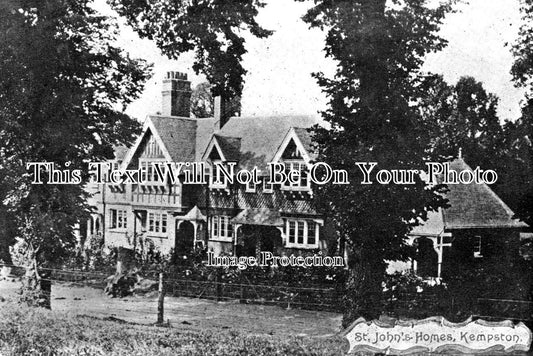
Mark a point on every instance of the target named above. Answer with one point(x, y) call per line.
point(323, 298)
point(314, 298)
point(501, 309)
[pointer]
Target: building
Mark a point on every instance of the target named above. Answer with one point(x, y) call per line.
point(476, 227)
point(225, 218)
point(243, 219)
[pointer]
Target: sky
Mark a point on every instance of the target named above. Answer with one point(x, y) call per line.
point(279, 80)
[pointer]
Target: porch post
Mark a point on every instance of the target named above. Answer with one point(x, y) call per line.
point(235, 232)
point(195, 229)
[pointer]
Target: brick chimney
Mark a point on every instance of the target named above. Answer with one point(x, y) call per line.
point(176, 95)
point(225, 110)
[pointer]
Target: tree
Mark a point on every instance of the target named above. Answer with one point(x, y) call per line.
point(63, 88)
point(519, 135)
point(462, 117)
point(374, 117)
point(202, 102)
point(211, 28)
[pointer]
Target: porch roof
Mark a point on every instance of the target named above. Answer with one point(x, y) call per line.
point(260, 216)
point(194, 215)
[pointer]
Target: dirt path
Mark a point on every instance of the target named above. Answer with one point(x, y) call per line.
point(188, 313)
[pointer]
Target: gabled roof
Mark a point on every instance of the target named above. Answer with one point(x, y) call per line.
point(261, 137)
point(305, 138)
point(178, 135)
point(253, 141)
point(230, 146)
point(182, 139)
point(472, 206)
point(194, 215)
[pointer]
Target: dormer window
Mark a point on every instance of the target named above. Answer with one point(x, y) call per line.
point(250, 186)
point(302, 178)
point(268, 187)
point(220, 173)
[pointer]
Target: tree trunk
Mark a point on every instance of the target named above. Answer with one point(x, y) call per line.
point(161, 301)
point(36, 287)
point(363, 288)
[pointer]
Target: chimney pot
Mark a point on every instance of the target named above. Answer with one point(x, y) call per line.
point(176, 95)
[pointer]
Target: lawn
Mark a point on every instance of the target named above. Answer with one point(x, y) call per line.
point(83, 321)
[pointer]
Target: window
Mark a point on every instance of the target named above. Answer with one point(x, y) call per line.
point(148, 171)
point(157, 222)
point(267, 186)
point(250, 187)
point(311, 233)
point(219, 173)
point(292, 231)
point(119, 219)
point(477, 246)
point(301, 233)
point(221, 228)
point(303, 182)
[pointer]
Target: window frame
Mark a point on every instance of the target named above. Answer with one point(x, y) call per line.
point(478, 246)
point(301, 225)
point(250, 187)
point(116, 216)
point(302, 167)
point(211, 169)
point(221, 224)
point(157, 223)
point(145, 173)
point(266, 184)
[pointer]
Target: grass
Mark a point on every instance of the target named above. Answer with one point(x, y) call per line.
point(29, 331)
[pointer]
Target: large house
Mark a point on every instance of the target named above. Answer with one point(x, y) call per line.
point(224, 218)
point(243, 219)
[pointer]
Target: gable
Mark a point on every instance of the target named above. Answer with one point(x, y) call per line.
point(150, 147)
point(291, 151)
point(291, 148)
point(213, 151)
point(261, 137)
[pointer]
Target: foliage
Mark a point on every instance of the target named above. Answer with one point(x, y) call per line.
point(373, 114)
point(39, 332)
point(488, 279)
point(519, 135)
point(462, 117)
point(202, 102)
point(63, 89)
point(407, 295)
point(213, 29)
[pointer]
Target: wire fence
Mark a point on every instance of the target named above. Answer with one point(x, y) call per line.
point(322, 298)
point(315, 298)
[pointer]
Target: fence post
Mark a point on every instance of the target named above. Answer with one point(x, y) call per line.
point(218, 285)
point(160, 300)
